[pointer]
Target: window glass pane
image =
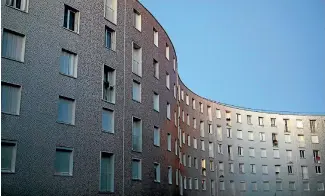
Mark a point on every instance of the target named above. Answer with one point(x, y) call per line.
point(68, 63)
point(7, 153)
point(13, 45)
point(107, 172)
point(62, 162)
point(66, 110)
point(10, 99)
point(108, 121)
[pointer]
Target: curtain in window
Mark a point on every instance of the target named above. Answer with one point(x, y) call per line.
point(107, 120)
point(106, 173)
point(6, 157)
point(65, 111)
point(62, 162)
point(68, 63)
point(12, 46)
point(10, 99)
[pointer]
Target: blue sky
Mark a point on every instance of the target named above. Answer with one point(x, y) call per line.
point(266, 54)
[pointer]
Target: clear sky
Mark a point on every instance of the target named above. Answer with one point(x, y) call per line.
point(261, 54)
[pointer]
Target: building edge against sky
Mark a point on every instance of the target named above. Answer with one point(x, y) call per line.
point(92, 104)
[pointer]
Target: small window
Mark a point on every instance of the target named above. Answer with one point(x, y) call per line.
point(175, 91)
point(241, 168)
point(169, 142)
point(252, 152)
point(174, 64)
point(110, 38)
point(229, 133)
point(265, 169)
point(167, 80)
point(218, 113)
point(276, 153)
point(66, 110)
point(13, 45)
point(137, 19)
point(156, 71)
point(108, 120)
point(231, 168)
point(136, 91)
point(222, 185)
point(18, 4)
point(305, 186)
point(304, 170)
point(260, 121)
point(168, 111)
point(110, 12)
point(262, 137)
point(312, 126)
point(210, 130)
point(254, 186)
point(202, 145)
point(136, 59)
point(188, 140)
point(10, 98)
point(193, 104)
point(194, 123)
point(272, 122)
point(63, 161)
point(242, 186)
point(263, 153)
point(204, 185)
point(220, 151)
point(176, 177)
point(201, 107)
point(250, 135)
point(157, 172)
point(156, 102)
point(287, 138)
point(201, 128)
point(240, 151)
point(209, 113)
point(188, 119)
point(286, 125)
point(292, 186)
point(211, 150)
point(136, 169)
point(137, 135)
point(278, 185)
point(314, 139)
point(239, 134)
point(155, 37)
point(190, 183)
point(195, 143)
point(266, 186)
point(170, 175)
point(211, 165)
point(68, 63)
point(167, 51)
point(318, 169)
point(8, 156)
point(302, 154)
point(299, 124)
point(219, 133)
point(107, 172)
point(196, 184)
point(289, 155)
point(249, 119)
point(290, 171)
point(71, 18)
point(320, 186)
point(109, 78)
point(238, 118)
point(156, 136)
point(187, 100)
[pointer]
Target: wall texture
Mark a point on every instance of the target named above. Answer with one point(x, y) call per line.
point(38, 133)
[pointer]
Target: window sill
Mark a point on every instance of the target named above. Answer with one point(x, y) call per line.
point(75, 32)
point(105, 192)
point(107, 132)
point(136, 100)
point(70, 76)
point(136, 151)
point(24, 11)
point(140, 76)
point(137, 180)
point(64, 123)
point(112, 22)
point(139, 30)
point(156, 181)
point(155, 145)
point(7, 172)
point(8, 58)
point(7, 113)
point(108, 101)
point(63, 175)
point(111, 49)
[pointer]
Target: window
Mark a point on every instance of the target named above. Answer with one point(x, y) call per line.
point(231, 167)
point(301, 140)
point(196, 164)
point(188, 140)
point(229, 133)
point(107, 172)
point(230, 154)
point(136, 91)
point(318, 169)
point(175, 118)
point(187, 100)
point(108, 120)
point(209, 113)
point(238, 116)
point(111, 10)
point(137, 20)
point(249, 119)
point(190, 183)
point(201, 107)
point(262, 137)
point(254, 186)
point(218, 113)
point(176, 177)
point(13, 45)
point(252, 152)
point(109, 78)
point(290, 171)
point(221, 169)
point(320, 186)
point(136, 59)
point(211, 165)
point(240, 151)
point(136, 169)
point(299, 124)
point(182, 95)
point(260, 121)
point(222, 185)
point(170, 175)
point(304, 170)
point(183, 115)
point(250, 135)
point(275, 140)
point(188, 119)
point(155, 37)
point(286, 123)
point(289, 155)
point(156, 136)
point(189, 161)
point(232, 187)
point(219, 133)
point(276, 153)
point(18, 4)
point(211, 151)
point(174, 64)
point(312, 126)
point(157, 172)
point(272, 122)
point(195, 143)
point(167, 51)
point(184, 138)
point(184, 181)
point(314, 139)
point(266, 186)
point(277, 170)
point(66, 110)
point(212, 187)
point(302, 154)
point(8, 156)
point(193, 104)
point(265, 169)
point(176, 147)
point(175, 91)
point(306, 186)
point(201, 128)
point(292, 186)
point(68, 63)
point(169, 142)
point(71, 18)
point(167, 81)
point(210, 129)
point(203, 166)
point(63, 161)
point(287, 138)
point(10, 98)
point(241, 168)
point(204, 185)
point(156, 102)
point(194, 123)
point(196, 184)
point(228, 116)
point(202, 145)
point(110, 38)
point(316, 156)
point(278, 185)
point(137, 134)
point(263, 153)
point(239, 134)
point(253, 168)
point(242, 186)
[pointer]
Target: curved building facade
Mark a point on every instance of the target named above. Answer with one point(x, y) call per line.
point(92, 104)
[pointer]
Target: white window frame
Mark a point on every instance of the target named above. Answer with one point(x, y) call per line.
point(112, 17)
point(137, 20)
point(77, 18)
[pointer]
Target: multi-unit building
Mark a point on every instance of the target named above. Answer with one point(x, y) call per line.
point(92, 104)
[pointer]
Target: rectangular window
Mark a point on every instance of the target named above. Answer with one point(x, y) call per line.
point(174, 64)
point(189, 161)
point(286, 125)
point(182, 95)
point(242, 186)
point(137, 19)
point(167, 51)
point(254, 186)
point(219, 133)
point(63, 161)
point(228, 115)
point(110, 38)
point(188, 119)
point(240, 151)
point(168, 111)
point(156, 136)
point(260, 121)
point(68, 63)
point(287, 138)
point(183, 116)
point(170, 175)
point(18, 4)
point(155, 37)
point(218, 113)
point(231, 168)
point(107, 172)
point(265, 169)
point(238, 117)
point(167, 80)
point(290, 171)
point(249, 119)
point(187, 99)
point(201, 107)
point(13, 45)
point(175, 91)
point(320, 186)
point(156, 101)
point(289, 155)
point(209, 113)
point(169, 142)
point(292, 186)
point(188, 140)
point(318, 169)
point(190, 183)
point(8, 156)
point(222, 185)
point(252, 152)
point(230, 153)
point(277, 170)
point(176, 177)
point(184, 181)
point(203, 166)
point(239, 134)
point(262, 137)
point(108, 120)
point(204, 185)
point(109, 81)
point(241, 168)
point(250, 135)
point(195, 143)
point(196, 184)
point(66, 110)
point(201, 128)
point(211, 151)
point(212, 187)
point(175, 118)
point(316, 156)
point(302, 154)
point(211, 165)
point(196, 165)
point(71, 18)
point(136, 59)
point(232, 187)
point(137, 134)
point(306, 186)
point(312, 126)
point(304, 170)
point(266, 186)
point(275, 140)
point(273, 122)
point(183, 137)
point(194, 123)
point(136, 91)
point(300, 124)
point(221, 169)
point(210, 130)
point(229, 133)
point(314, 139)
point(263, 153)
point(202, 145)
point(157, 172)
point(10, 98)
point(278, 185)
point(110, 12)
point(136, 169)
point(276, 153)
